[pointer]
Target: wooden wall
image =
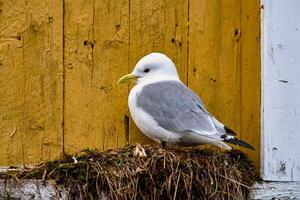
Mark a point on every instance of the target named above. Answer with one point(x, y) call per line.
point(60, 60)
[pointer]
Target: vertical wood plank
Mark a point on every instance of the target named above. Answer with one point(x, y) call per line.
point(30, 81)
point(214, 56)
point(158, 26)
point(204, 50)
point(251, 76)
point(229, 86)
point(96, 51)
point(111, 62)
point(220, 51)
point(280, 91)
point(79, 131)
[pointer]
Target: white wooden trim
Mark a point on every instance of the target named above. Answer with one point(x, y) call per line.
point(276, 190)
point(43, 190)
point(36, 189)
point(280, 114)
point(31, 189)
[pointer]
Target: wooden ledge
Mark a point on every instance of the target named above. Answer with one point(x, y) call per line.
point(276, 190)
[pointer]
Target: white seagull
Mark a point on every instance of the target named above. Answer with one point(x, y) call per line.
point(169, 112)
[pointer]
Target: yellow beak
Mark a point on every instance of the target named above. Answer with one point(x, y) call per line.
point(128, 77)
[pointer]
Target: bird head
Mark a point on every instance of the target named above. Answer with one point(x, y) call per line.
point(151, 68)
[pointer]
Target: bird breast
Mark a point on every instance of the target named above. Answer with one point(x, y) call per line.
point(145, 121)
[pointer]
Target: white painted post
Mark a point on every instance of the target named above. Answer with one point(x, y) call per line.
point(280, 90)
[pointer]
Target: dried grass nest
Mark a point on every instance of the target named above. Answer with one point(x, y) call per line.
point(148, 172)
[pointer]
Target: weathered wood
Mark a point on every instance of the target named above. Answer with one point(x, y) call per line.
point(37, 189)
point(280, 88)
point(79, 44)
point(96, 54)
point(48, 190)
point(111, 62)
point(224, 64)
point(276, 190)
point(31, 190)
point(215, 45)
point(30, 81)
point(250, 78)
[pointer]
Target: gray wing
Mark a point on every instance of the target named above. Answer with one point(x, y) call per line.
point(176, 108)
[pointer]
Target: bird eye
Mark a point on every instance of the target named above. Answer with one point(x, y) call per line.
point(147, 70)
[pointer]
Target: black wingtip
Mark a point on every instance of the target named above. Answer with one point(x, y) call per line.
point(229, 131)
point(236, 141)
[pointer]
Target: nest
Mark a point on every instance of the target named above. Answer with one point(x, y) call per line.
point(147, 172)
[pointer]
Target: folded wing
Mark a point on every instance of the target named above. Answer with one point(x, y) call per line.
point(176, 108)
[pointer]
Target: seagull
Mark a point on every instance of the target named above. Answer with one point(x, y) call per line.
point(169, 112)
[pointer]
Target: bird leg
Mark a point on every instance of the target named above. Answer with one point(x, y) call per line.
point(163, 144)
point(168, 146)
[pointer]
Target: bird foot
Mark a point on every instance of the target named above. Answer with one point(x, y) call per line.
point(168, 146)
point(163, 144)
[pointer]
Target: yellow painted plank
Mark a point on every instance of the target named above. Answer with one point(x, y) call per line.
point(96, 55)
point(111, 62)
point(158, 26)
point(204, 50)
point(229, 66)
point(79, 131)
point(222, 41)
point(214, 69)
point(251, 76)
point(30, 81)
